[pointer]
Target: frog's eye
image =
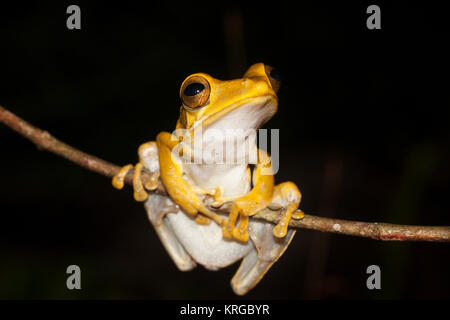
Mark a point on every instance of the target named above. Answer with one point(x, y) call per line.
point(195, 92)
point(274, 77)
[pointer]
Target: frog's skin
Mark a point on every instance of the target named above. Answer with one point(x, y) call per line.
point(182, 220)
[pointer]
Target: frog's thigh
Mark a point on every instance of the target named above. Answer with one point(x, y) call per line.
point(255, 265)
point(157, 207)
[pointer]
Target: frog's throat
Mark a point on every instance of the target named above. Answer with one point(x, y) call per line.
point(266, 107)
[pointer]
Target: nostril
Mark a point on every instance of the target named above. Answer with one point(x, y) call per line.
point(257, 84)
point(263, 86)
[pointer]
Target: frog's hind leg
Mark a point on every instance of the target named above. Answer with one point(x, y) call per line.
point(157, 207)
point(258, 261)
point(270, 241)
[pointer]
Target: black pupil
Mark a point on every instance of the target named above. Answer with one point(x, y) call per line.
point(193, 89)
point(275, 74)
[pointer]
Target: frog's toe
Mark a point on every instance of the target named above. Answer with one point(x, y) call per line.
point(150, 181)
point(227, 231)
point(241, 234)
point(218, 203)
point(140, 196)
point(201, 219)
point(139, 192)
point(118, 179)
point(298, 214)
point(280, 230)
point(241, 231)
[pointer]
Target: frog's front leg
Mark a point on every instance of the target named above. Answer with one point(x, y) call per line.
point(286, 196)
point(157, 206)
point(140, 186)
point(257, 199)
point(180, 190)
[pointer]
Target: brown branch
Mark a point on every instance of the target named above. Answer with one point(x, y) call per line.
point(374, 230)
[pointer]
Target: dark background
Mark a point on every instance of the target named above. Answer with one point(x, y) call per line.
point(363, 122)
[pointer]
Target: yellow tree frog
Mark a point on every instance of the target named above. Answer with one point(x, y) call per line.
point(182, 219)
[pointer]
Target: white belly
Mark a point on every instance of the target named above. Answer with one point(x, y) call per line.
point(232, 178)
point(205, 244)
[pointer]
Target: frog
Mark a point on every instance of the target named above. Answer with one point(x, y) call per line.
point(204, 217)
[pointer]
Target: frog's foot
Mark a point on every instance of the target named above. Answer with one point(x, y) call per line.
point(220, 201)
point(204, 216)
point(198, 210)
point(201, 219)
point(118, 179)
point(241, 210)
point(192, 204)
point(286, 195)
point(215, 193)
point(158, 206)
point(140, 184)
point(267, 250)
point(241, 231)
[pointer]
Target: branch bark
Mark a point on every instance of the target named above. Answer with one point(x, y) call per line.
point(378, 231)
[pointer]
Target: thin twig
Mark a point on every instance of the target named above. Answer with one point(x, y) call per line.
point(374, 230)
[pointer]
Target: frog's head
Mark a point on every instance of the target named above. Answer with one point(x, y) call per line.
point(245, 103)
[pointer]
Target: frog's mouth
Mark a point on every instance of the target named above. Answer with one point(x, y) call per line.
point(250, 113)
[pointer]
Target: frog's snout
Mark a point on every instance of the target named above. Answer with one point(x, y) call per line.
point(260, 86)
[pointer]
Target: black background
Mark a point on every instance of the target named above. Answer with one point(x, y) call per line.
point(363, 122)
